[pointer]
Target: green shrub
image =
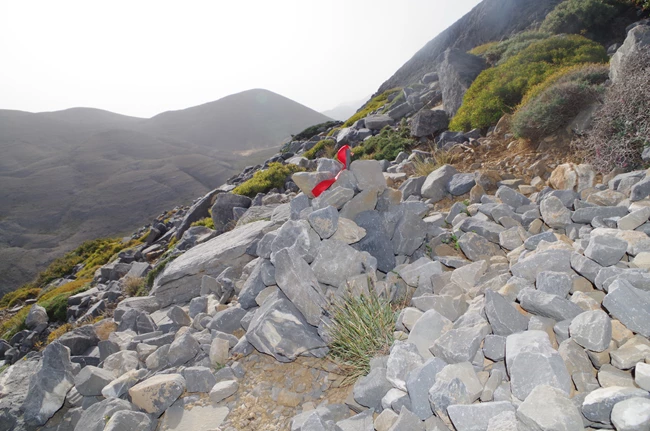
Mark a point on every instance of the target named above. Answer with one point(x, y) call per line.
point(500, 89)
point(499, 52)
point(576, 16)
point(621, 128)
point(207, 222)
point(16, 323)
point(386, 145)
point(324, 148)
point(361, 328)
point(552, 104)
point(55, 301)
point(398, 100)
point(159, 268)
point(371, 106)
point(263, 181)
point(19, 295)
point(312, 131)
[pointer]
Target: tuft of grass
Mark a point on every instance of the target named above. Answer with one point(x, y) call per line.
point(324, 148)
point(58, 332)
point(16, 323)
point(55, 301)
point(263, 181)
point(159, 268)
point(386, 145)
point(135, 286)
point(371, 106)
point(500, 89)
point(207, 222)
point(361, 328)
point(438, 159)
point(3, 368)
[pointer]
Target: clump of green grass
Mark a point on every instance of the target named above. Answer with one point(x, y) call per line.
point(386, 145)
point(500, 89)
point(159, 268)
point(371, 106)
point(324, 148)
point(263, 181)
point(361, 328)
point(552, 104)
point(207, 222)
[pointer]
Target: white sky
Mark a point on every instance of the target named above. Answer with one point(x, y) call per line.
point(144, 57)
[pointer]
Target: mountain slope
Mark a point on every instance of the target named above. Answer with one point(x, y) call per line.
point(345, 110)
point(251, 119)
point(490, 20)
point(82, 173)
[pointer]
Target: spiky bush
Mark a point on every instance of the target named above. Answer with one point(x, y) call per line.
point(386, 145)
point(273, 177)
point(576, 16)
point(500, 89)
point(621, 128)
point(552, 104)
point(361, 328)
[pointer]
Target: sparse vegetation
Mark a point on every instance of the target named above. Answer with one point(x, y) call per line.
point(324, 148)
point(58, 332)
point(263, 181)
point(621, 128)
point(206, 222)
point(439, 158)
point(135, 286)
point(362, 328)
point(312, 131)
point(55, 301)
point(386, 145)
point(160, 266)
point(371, 106)
point(500, 89)
point(552, 104)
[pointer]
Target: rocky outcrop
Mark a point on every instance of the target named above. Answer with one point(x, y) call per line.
point(497, 18)
point(457, 71)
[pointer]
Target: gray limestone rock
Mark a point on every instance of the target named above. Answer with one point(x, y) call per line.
point(49, 385)
point(418, 383)
point(223, 390)
point(457, 71)
point(280, 330)
point(510, 197)
point(554, 213)
point(94, 417)
point(476, 247)
point(532, 361)
point(178, 316)
point(494, 347)
point(324, 221)
point(548, 260)
point(369, 390)
point(184, 348)
point(377, 241)
point(336, 197)
point(297, 236)
point(360, 422)
point(91, 380)
point(364, 201)
point(597, 405)
point(407, 421)
point(548, 305)
point(555, 283)
point(299, 283)
point(378, 122)
point(606, 251)
point(368, 174)
point(337, 262)
point(632, 414)
point(592, 330)
point(461, 343)
point(155, 394)
point(588, 214)
point(255, 283)
point(585, 266)
point(547, 408)
point(428, 328)
point(629, 305)
point(461, 184)
point(475, 417)
point(502, 315)
point(228, 320)
point(198, 379)
point(403, 358)
point(222, 213)
point(435, 185)
point(428, 122)
point(37, 316)
point(484, 228)
point(129, 420)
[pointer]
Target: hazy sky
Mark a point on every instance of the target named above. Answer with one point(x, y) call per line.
point(144, 57)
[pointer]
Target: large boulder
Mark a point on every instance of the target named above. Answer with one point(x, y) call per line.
point(95, 416)
point(49, 386)
point(637, 39)
point(428, 122)
point(181, 279)
point(457, 71)
point(280, 330)
point(197, 211)
point(222, 213)
point(37, 316)
point(157, 393)
point(435, 186)
point(336, 262)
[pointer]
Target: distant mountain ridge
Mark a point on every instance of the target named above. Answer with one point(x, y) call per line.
point(345, 110)
point(83, 173)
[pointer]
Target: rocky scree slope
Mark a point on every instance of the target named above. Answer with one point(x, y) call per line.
point(527, 294)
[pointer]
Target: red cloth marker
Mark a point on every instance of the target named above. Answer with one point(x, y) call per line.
point(343, 155)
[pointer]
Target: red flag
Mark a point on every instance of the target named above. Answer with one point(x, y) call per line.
point(343, 155)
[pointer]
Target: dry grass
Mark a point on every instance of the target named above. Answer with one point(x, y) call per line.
point(438, 159)
point(135, 286)
point(58, 332)
point(104, 329)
